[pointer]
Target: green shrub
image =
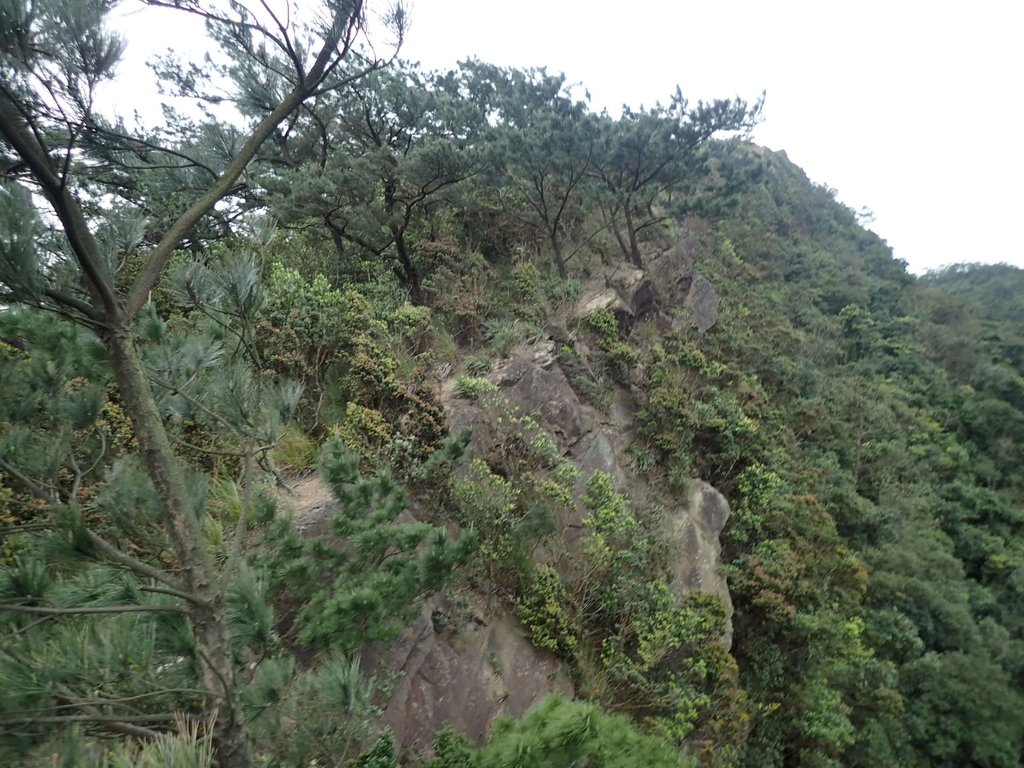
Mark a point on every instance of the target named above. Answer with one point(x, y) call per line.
point(477, 365)
point(473, 387)
point(503, 335)
point(295, 450)
point(543, 607)
point(559, 733)
point(620, 357)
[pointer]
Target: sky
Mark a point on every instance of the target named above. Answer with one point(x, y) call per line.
point(909, 109)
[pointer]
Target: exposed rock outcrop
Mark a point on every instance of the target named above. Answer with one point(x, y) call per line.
point(532, 380)
point(696, 529)
point(464, 665)
point(676, 281)
point(465, 661)
point(598, 440)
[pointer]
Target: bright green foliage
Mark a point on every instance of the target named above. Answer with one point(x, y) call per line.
point(660, 656)
point(452, 750)
point(304, 327)
point(757, 488)
point(543, 607)
point(619, 356)
point(558, 733)
point(473, 387)
point(380, 755)
point(516, 490)
point(639, 648)
point(380, 567)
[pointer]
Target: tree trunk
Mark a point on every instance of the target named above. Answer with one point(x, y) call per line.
point(182, 522)
point(337, 239)
point(634, 245)
point(556, 248)
point(617, 231)
point(410, 275)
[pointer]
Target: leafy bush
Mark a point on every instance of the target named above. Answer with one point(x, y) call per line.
point(558, 733)
point(515, 490)
point(639, 648)
point(473, 387)
point(543, 608)
point(620, 357)
point(700, 418)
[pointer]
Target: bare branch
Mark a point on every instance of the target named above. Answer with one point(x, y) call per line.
point(41, 492)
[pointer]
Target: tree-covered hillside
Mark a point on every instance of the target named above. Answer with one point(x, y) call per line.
point(346, 275)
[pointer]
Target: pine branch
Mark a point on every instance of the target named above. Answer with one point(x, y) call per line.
point(147, 278)
point(172, 593)
point(122, 558)
point(97, 718)
point(41, 492)
point(88, 611)
point(76, 228)
point(117, 725)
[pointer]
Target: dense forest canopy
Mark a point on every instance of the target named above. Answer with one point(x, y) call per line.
point(193, 315)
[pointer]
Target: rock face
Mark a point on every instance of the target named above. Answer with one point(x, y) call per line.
point(466, 661)
point(676, 281)
point(533, 381)
point(671, 279)
point(696, 528)
point(594, 440)
point(464, 666)
point(461, 662)
point(702, 301)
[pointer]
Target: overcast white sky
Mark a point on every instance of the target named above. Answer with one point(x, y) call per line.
point(912, 109)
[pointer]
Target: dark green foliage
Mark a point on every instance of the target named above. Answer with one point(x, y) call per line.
point(380, 755)
point(378, 567)
point(451, 750)
point(896, 408)
point(620, 357)
point(961, 710)
point(702, 416)
point(648, 162)
point(866, 426)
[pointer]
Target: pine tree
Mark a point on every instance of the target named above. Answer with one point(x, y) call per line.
point(80, 241)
